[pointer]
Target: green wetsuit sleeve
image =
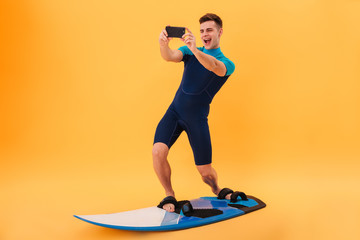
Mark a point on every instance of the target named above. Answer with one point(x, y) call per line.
point(230, 66)
point(185, 50)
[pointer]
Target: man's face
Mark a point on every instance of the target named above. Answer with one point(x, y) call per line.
point(210, 34)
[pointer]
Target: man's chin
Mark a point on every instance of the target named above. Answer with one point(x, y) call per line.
point(209, 46)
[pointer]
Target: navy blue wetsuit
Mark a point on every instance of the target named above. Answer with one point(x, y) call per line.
point(190, 108)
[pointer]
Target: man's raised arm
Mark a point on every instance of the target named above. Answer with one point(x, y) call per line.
point(168, 54)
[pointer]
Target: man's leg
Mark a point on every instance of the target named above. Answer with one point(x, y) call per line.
point(199, 137)
point(163, 171)
point(209, 176)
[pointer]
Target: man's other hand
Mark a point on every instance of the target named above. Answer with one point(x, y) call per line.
point(190, 40)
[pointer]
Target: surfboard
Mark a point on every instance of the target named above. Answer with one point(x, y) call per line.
point(206, 210)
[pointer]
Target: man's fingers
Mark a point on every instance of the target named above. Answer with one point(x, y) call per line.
point(187, 35)
point(188, 39)
point(165, 32)
point(188, 30)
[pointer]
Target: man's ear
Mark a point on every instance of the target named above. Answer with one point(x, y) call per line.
point(220, 32)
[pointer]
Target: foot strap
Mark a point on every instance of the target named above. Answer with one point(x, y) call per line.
point(225, 191)
point(186, 208)
point(235, 195)
point(169, 199)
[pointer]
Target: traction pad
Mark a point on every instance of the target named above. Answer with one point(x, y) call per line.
point(200, 213)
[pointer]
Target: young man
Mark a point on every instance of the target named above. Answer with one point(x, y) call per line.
point(206, 69)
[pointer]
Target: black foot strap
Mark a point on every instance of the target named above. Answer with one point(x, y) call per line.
point(235, 195)
point(167, 200)
point(225, 191)
point(188, 210)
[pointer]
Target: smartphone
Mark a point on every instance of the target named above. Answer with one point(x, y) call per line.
point(176, 32)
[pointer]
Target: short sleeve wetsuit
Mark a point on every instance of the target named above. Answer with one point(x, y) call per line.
point(190, 108)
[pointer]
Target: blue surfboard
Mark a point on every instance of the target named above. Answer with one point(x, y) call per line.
point(206, 210)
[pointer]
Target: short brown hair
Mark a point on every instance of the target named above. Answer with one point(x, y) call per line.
point(211, 17)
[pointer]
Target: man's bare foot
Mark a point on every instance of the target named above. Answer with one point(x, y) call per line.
point(224, 191)
point(228, 197)
point(231, 195)
point(168, 204)
point(169, 207)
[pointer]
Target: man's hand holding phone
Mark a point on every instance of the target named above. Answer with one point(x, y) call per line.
point(178, 32)
point(164, 39)
point(170, 32)
point(190, 40)
point(175, 32)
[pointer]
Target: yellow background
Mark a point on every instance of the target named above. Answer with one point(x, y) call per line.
point(83, 86)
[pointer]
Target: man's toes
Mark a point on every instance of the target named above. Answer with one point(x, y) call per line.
point(172, 208)
point(228, 197)
point(169, 207)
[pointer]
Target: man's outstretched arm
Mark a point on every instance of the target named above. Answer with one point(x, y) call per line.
point(210, 63)
point(168, 54)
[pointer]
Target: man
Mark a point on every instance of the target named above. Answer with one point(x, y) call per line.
point(206, 69)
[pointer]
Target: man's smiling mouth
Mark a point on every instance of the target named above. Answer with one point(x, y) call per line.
point(207, 41)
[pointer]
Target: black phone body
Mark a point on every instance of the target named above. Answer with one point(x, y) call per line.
point(176, 32)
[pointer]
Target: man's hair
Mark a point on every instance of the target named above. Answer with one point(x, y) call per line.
point(211, 17)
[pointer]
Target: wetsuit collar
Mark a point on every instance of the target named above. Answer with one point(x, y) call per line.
point(212, 52)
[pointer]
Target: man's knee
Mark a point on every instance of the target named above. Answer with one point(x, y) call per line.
point(205, 171)
point(160, 151)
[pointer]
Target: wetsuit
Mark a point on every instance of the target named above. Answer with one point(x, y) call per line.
point(190, 108)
